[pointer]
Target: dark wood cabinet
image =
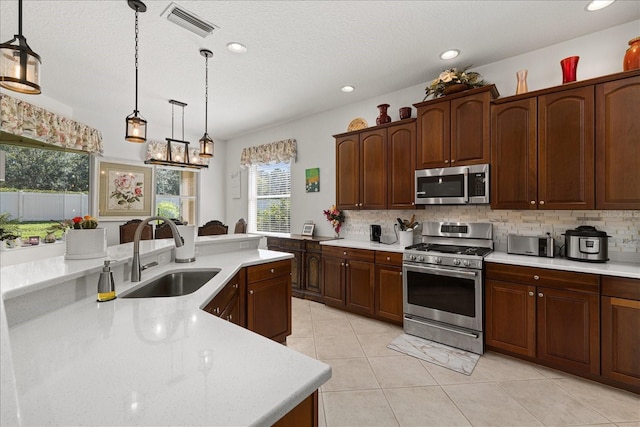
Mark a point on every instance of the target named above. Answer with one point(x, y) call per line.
point(373, 169)
point(348, 171)
point(229, 303)
point(303, 415)
point(388, 287)
point(455, 131)
point(333, 280)
point(550, 316)
point(401, 142)
point(620, 334)
point(618, 144)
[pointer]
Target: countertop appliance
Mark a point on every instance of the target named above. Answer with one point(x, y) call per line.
point(527, 245)
point(375, 231)
point(460, 185)
point(442, 284)
point(585, 243)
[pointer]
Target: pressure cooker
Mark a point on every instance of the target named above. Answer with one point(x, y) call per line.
point(585, 243)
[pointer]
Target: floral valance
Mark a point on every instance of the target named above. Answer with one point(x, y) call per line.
point(276, 152)
point(158, 150)
point(23, 119)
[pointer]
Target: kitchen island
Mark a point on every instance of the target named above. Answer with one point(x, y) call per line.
point(145, 361)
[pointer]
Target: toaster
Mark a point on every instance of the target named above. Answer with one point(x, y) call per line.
point(528, 245)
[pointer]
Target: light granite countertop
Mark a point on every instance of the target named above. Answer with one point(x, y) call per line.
point(362, 244)
point(149, 361)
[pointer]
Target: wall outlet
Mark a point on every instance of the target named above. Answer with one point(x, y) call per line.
point(244, 245)
point(164, 258)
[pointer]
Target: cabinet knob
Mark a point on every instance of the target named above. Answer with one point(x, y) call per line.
point(360, 204)
point(413, 203)
point(540, 294)
point(235, 286)
point(530, 293)
point(388, 258)
point(542, 202)
point(272, 270)
point(453, 161)
point(355, 204)
point(533, 202)
point(217, 310)
point(446, 161)
point(400, 273)
point(536, 277)
point(230, 317)
point(342, 264)
point(344, 253)
point(346, 265)
point(251, 292)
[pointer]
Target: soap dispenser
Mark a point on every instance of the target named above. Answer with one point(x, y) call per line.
point(106, 285)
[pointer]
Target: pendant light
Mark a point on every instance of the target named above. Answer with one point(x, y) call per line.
point(19, 65)
point(136, 124)
point(206, 143)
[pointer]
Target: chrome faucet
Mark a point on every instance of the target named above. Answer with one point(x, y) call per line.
point(136, 269)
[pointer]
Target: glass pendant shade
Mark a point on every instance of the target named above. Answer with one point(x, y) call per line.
point(136, 128)
point(206, 146)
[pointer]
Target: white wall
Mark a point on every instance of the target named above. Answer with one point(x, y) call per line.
point(600, 54)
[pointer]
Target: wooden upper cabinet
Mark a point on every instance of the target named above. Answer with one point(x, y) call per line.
point(618, 144)
point(470, 123)
point(373, 170)
point(514, 155)
point(348, 172)
point(566, 149)
point(434, 135)
point(401, 145)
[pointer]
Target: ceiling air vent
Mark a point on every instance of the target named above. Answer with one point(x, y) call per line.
point(188, 20)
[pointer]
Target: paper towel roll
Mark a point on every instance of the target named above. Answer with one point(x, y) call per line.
point(187, 252)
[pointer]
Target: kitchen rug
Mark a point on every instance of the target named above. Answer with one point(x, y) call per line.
point(439, 354)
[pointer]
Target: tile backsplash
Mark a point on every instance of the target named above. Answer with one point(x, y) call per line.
point(623, 225)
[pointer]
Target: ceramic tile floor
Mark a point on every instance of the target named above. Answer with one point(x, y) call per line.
point(375, 386)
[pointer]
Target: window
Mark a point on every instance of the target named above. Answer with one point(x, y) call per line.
point(270, 198)
point(176, 194)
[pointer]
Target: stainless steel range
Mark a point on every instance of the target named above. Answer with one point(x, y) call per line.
point(443, 286)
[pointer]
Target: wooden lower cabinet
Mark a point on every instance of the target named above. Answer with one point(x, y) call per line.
point(303, 415)
point(388, 287)
point(348, 277)
point(229, 303)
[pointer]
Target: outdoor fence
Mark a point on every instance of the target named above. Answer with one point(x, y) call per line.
point(26, 206)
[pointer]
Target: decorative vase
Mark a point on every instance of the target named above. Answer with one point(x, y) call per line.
point(86, 244)
point(569, 68)
point(405, 113)
point(632, 56)
point(522, 82)
point(50, 238)
point(455, 88)
point(383, 117)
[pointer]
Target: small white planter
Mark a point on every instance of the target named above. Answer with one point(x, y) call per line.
point(86, 244)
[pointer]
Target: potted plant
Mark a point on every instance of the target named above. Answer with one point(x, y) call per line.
point(8, 230)
point(454, 80)
point(85, 240)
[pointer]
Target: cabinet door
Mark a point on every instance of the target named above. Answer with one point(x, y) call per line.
point(566, 149)
point(388, 293)
point(359, 280)
point(434, 136)
point(269, 307)
point(510, 317)
point(348, 172)
point(617, 144)
point(373, 170)
point(470, 143)
point(333, 281)
point(313, 269)
point(514, 155)
point(621, 340)
point(231, 312)
point(401, 142)
point(569, 329)
point(296, 271)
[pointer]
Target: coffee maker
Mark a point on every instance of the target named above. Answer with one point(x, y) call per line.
point(375, 231)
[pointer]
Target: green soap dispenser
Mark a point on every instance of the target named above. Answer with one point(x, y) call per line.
point(106, 285)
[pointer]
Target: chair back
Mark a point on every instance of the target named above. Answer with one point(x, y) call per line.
point(163, 231)
point(213, 228)
point(128, 231)
point(241, 226)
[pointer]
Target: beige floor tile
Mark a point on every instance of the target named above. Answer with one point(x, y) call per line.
point(322, 312)
point(300, 328)
point(424, 406)
point(336, 347)
point(322, 422)
point(332, 327)
point(300, 305)
point(498, 367)
point(551, 373)
point(358, 409)
point(376, 344)
point(364, 325)
point(631, 424)
point(616, 405)
point(550, 404)
point(400, 371)
point(486, 404)
point(448, 376)
point(304, 345)
point(350, 374)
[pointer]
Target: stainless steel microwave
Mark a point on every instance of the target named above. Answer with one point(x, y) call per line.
point(460, 185)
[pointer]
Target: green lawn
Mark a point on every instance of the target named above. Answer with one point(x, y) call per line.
point(28, 229)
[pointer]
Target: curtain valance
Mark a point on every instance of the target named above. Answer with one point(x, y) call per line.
point(275, 152)
point(158, 150)
point(23, 119)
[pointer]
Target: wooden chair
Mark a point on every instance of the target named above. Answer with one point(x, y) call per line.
point(128, 230)
point(163, 231)
point(241, 226)
point(213, 228)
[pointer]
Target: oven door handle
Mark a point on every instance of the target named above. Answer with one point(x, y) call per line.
point(441, 271)
point(466, 185)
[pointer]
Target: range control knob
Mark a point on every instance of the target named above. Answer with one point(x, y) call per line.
point(466, 263)
point(438, 260)
point(421, 258)
point(412, 257)
point(456, 261)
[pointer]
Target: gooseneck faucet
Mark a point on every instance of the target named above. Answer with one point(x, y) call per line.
point(136, 269)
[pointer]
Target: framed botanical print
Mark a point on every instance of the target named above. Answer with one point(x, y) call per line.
point(125, 191)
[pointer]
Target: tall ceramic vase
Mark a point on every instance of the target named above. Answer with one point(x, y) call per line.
point(383, 117)
point(569, 68)
point(522, 82)
point(632, 55)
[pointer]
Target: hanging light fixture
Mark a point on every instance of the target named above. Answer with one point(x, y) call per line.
point(136, 124)
point(206, 143)
point(19, 65)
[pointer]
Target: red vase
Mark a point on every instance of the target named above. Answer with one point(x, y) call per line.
point(383, 117)
point(632, 56)
point(569, 68)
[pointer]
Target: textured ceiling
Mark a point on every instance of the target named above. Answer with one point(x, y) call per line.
point(299, 53)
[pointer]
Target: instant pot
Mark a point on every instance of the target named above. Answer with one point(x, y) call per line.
point(585, 243)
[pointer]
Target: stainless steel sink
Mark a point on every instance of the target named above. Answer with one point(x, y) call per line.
point(173, 284)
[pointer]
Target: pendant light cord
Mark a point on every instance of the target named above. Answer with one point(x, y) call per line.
point(136, 61)
point(20, 17)
point(206, 93)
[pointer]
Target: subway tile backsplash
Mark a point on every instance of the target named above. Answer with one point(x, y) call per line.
point(623, 225)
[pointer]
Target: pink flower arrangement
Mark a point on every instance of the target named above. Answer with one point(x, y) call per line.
point(335, 217)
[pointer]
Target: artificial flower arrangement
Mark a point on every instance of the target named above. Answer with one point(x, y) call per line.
point(335, 217)
point(451, 77)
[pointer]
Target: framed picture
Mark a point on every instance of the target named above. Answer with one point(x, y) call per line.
point(125, 191)
point(307, 229)
point(312, 180)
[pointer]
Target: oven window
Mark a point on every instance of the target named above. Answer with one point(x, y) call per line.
point(450, 294)
point(441, 186)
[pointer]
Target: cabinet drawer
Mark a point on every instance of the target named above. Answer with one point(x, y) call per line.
point(621, 287)
point(350, 253)
point(544, 277)
point(217, 305)
point(389, 258)
point(256, 273)
point(314, 247)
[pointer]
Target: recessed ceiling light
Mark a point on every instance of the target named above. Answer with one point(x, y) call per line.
point(347, 88)
point(236, 47)
point(598, 4)
point(449, 54)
